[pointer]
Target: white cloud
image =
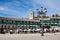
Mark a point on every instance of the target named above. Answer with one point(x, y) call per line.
point(6, 10)
point(53, 6)
point(20, 8)
point(1, 8)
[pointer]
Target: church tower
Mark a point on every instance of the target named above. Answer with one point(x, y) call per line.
point(31, 16)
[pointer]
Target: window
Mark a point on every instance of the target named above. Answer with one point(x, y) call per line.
point(5, 26)
point(9, 27)
point(12, 26)
point(1, 26)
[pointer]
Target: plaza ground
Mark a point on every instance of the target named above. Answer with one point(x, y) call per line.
point(37, 36)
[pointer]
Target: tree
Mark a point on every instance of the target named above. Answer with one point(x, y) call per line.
point(43, 16)
point(53, 15)
point(47, 17)
point(38, 16)
point(57, 15)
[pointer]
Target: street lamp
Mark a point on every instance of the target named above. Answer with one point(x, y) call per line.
point(42, 12)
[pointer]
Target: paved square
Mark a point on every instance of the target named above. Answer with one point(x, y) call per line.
point(47, 36)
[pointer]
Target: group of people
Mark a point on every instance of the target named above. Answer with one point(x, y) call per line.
point(11, 31)
point(19, 30)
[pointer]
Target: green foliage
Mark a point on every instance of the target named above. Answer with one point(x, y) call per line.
point(42, 16)
point(45, 16)
point(55, 15)
point(38, 16)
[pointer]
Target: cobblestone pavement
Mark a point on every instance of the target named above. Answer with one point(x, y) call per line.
point(47, 36)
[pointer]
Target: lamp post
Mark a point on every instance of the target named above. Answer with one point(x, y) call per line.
point(42, 12)
point(42, 28)
point(42, 33)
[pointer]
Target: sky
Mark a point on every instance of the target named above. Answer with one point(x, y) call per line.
point(22, 8)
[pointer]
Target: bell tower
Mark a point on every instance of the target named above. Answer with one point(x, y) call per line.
point(31, 16)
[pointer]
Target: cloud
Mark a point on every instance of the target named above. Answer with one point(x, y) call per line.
point(53, 6)
point(8, 11)
point(1, 8)
point(21, 8)
point(15, 7)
